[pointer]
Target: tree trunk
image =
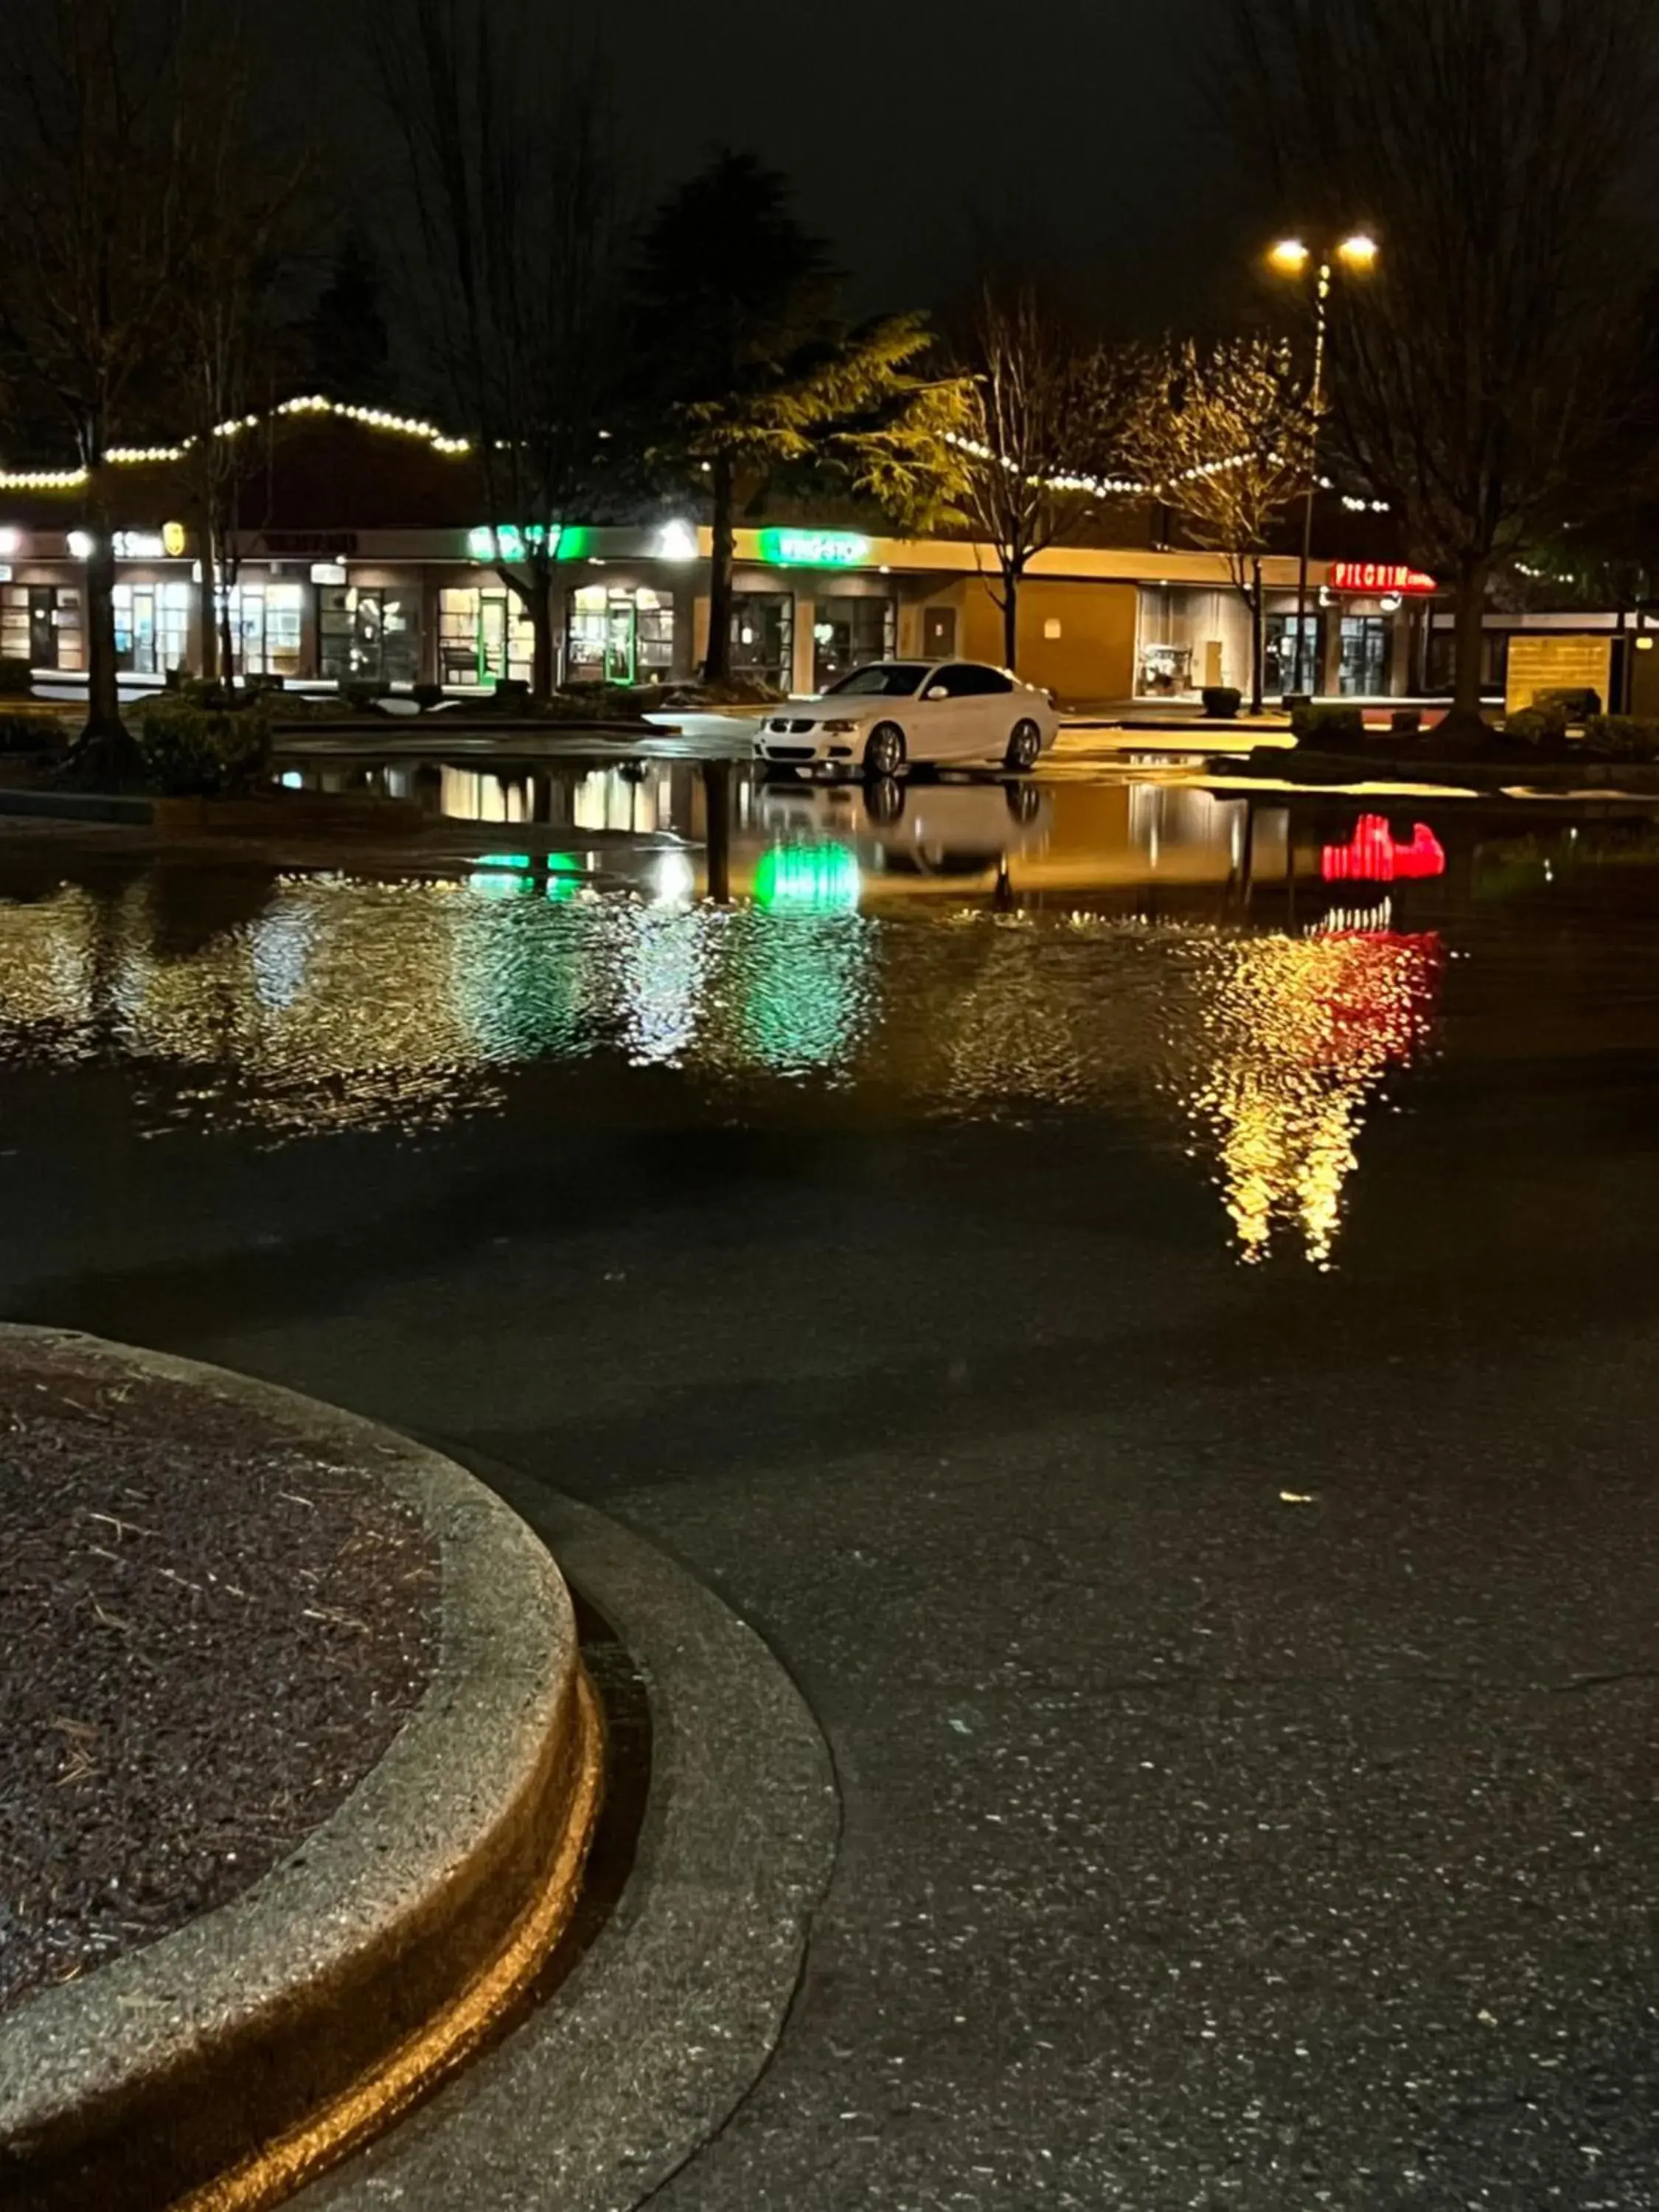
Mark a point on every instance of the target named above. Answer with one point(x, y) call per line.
point(104, 724)
point(1471, 638)
point(210, 602)
point(1011, 579)
point(717, 663)
point(1258, 651)
point(543, 674)
point(227, 566)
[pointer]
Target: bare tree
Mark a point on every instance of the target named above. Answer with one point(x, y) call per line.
point(1498, 149)
point(1046, 413)
point(515, 278)
point(92, 256)
point(246, 212)
point(1223, 434)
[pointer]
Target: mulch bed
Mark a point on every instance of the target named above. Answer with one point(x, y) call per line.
point(208, 1636)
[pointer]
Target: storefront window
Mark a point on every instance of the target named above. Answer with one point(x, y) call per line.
point(370, 635)
point(850, 634)
point(152, 627)
point(41, 624)
point(483, 636)
point(618, 634)
point(764, 637)
point(1165, 669)
point(267, 627)
point(1279, 669)
point(1364, 673)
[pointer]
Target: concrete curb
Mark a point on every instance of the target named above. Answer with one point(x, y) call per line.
point(666, 2020)
point(153, 2076)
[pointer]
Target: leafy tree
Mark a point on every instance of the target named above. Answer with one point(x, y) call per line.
point(514, 213)
point(350, 352)
point(1499, 150)
point(1223, 432)
point(1046, 412)
point(757, 376)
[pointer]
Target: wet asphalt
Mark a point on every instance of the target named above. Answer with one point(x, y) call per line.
point(1241, 1678)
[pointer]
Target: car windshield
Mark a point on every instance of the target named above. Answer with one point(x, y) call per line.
point(887, 679)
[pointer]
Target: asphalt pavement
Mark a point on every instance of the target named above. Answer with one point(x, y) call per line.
point(1240, 1679)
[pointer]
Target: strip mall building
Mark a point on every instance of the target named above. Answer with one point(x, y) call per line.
point(365, 555)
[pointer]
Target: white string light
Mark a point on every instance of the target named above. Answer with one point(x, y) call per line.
point(127, 457)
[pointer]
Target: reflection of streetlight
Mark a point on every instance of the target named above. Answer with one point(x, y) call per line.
point(1357, 253)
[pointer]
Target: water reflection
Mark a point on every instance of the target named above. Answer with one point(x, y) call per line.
point(1167, 955)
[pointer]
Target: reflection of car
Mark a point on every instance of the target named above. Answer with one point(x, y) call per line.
point(895, 712)
point(958, 833)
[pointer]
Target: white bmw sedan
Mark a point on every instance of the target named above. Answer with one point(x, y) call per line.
point(883, 718)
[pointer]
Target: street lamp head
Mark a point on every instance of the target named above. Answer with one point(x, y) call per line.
point(1290, 257)
point(1359, 252)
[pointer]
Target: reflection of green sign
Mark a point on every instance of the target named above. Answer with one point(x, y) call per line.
point(808, 879)
point(510, 542)
point(814, 548)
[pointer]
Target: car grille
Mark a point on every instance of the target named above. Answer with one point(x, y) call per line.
point(789, 752)
point(787, 729)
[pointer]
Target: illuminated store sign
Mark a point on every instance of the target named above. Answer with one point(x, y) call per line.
point(814, 548)
point(508, 541)
point(1381, 576)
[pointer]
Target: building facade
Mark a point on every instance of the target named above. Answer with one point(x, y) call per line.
point(371, 561)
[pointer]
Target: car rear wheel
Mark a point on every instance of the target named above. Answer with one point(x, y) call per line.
point(883, 754)
point(1025, 747)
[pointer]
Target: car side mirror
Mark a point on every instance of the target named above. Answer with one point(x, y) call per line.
point(936, 691)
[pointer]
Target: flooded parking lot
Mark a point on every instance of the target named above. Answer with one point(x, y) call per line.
point(1141, 1292)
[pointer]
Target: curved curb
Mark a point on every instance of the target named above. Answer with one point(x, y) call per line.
point(668, 2018)
point(154, 2074)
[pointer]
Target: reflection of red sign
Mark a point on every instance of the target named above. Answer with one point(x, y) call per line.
point(1381, 576)
point(1375, 855)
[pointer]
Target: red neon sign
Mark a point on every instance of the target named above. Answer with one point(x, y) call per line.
point(1375, 855)
point(1381, 576)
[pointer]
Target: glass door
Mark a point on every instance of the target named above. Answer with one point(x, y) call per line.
point(1365, 656)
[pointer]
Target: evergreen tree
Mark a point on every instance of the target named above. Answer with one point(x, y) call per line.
point(754, 375)
point(350, 352)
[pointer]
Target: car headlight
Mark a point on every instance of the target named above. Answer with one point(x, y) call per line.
point(838, 729)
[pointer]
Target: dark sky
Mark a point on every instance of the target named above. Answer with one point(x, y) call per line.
point(1077, 131)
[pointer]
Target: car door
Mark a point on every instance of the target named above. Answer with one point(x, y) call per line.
point(954, 724)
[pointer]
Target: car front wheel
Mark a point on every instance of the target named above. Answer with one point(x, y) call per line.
point(1025, 747)
point(884, 755)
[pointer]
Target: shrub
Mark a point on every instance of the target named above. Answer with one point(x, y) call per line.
point(1221, 701)
point(1407, 721)
point(203, 752)
point(15, 675)
point(512, 691)
point(1621, 737)
point(363, 693)
point(1572, 706)
point(1338, 729)
point(1538, 725)
point(427, 695)
point(264, 687)
point(29, 733)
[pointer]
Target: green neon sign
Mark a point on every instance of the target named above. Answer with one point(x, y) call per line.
point(508, 541)
point(814, 548)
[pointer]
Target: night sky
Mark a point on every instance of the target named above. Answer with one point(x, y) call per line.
point(1075, 135)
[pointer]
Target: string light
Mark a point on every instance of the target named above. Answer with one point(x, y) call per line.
point(127, 457)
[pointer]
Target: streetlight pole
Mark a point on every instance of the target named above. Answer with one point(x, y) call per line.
point(1315, 409)
point(1290, 258)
